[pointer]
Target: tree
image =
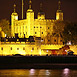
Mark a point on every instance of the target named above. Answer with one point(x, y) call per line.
point(70, 33)
point(58, 27)
point(67, 30)
point(4, 24)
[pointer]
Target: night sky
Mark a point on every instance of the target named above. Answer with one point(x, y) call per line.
point(69, 8)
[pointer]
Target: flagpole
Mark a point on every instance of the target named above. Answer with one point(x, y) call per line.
point(22, 8)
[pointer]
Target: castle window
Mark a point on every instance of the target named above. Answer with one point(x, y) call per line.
point(40, 27)
point(34, 26)
point(48, 27)
point(17, 48)
point(42, 32)
point(48, 40)
point(26, 33)
point(42, 38)
point(23, 32)
point(32, 48)
point(35, 32)
point(54, 40)
point(60, 40)
point(1, 48)
point(11, 48)
point(24, 48)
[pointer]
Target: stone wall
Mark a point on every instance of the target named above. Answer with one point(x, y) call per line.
point(18, 48)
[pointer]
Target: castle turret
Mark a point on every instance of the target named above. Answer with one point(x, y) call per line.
point(41, 14)
point(59, 13)
point(30, 19)
point(14, 17)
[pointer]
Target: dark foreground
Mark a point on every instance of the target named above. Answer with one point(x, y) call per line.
point(38, 62)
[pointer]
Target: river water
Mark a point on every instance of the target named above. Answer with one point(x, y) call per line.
point(66, 72)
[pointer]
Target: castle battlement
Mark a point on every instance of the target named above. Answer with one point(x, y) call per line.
point(45, 20)
point(17, 43)
point(51, 46)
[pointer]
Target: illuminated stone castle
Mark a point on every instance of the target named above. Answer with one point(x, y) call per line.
point(39, 27)
point(33, 36)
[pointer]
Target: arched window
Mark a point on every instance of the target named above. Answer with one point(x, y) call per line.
point(11, 48)
point(17, 48)
point(1, 48)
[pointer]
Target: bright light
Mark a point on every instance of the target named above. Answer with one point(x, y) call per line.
point(47, 50)
point(65, 50)
point(47, 72)
point(66, 72)
point(5, 35)
point(31, 51)
point(32, 72)
point(16, 17)
point(69, 43)
point(22, 52)
point(40, 52)
point(41, 40)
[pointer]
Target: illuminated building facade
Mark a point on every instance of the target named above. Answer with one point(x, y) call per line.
point(39, 27)
point(33, 36)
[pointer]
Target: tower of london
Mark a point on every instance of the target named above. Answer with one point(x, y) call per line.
point(40, 27)
point(32, 36)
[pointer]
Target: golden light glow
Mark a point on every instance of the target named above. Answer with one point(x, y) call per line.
point(16, 48)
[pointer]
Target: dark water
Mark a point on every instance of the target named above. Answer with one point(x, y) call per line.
point(38, 72)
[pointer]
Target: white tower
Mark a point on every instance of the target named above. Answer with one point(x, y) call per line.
point(30, 20)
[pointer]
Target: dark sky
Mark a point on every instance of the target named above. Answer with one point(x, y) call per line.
point(69, 7)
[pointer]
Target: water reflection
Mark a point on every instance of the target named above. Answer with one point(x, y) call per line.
point(32, 71)
point(13, 73)
point(38, 73)
point(66, 72)
point(47, 72)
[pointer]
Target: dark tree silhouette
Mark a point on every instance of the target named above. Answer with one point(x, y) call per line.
point(5, 26)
